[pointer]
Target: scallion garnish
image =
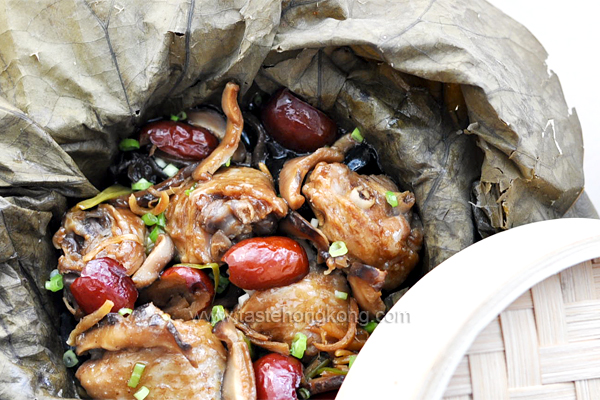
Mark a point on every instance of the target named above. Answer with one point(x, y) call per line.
point(314, 222)
point(191, 189)
point(55, 283)
point(160, 162)
point(298, 345)
point(142, 184)
point(70, 359)
point(356, 135)
point(370, 327)
point(129, 144)
point(142, 393)
point(228, 163)
point(154, 234)
point(217, 314)
point(111, 192)
point(179, 117)
point(161, 220)
point(351, 360)
point(125, 311)
point(391, 199)
point(304, 393)
point(338, 249)
point(334, 371)
point(341, 295)
point(170, 170)
point(149, 219)
point(136, 375)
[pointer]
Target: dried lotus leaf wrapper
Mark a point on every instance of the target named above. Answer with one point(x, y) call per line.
point(70, 91)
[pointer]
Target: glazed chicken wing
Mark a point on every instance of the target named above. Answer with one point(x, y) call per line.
point(106, 231)
point(234, 204)
point(167, 348)
point(304, 307)
point(353, 208)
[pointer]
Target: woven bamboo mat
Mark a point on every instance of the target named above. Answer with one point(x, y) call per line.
point(544, 346)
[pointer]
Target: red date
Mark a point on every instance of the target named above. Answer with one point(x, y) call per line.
point(264, 263)
point(297, 125)
point(180, 139)
point(104, 279)
point(277, 377)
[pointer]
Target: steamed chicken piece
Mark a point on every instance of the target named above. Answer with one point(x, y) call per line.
point(234, 204)
point(107, 231)
point(353, 208)
point(168, 374)
point(304, 307)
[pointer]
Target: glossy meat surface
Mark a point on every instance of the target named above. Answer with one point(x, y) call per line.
point(234, 205)
point(168, 375)
point(353, 208)
point(301, 307)
point(107, 231)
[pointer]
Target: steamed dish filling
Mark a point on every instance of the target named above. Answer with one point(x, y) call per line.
point(249, 259)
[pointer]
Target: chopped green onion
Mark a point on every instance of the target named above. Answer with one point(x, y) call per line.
point(213, 266)
point(129, 144)
point(136, 375)
point(142, 393)
point(160, 162)
point(109, 193)
point(179, 117)
point(70, 359)
point(341, 295)
point(391, 199)
point(356, 135)
point(170, 170)
point(228, 163)
point(191, 189)
point(142, 184)
point(250, 348)
point(370, 327)
point(217, 314)
point(223, 283)
point(161, 220)
point(338, 249)
point(125, 311)
point(314, 222)
point(154, 234)
point(313, 368)
point(304, 393)
point(351, 361)
point(55, 283)
point(54, 273)
point(149, 219)
point(332, 370)
point(298, 345)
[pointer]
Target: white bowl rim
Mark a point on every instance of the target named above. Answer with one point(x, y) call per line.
point(420, 364)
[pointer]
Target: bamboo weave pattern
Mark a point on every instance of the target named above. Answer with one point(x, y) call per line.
point(544, 346)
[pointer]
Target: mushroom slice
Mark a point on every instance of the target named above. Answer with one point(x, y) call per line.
point(296, 225)
point(294, 171)
point(146, 327)
point(209, 119)
point(163, 252)
point(238, 382)
point(233, 134)
point(366, 283)
point(183, 292)
point(325, 384)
